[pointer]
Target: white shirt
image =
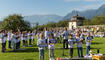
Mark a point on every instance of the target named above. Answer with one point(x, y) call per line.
point(88, 41)
point(42, 43)
point(79, 44)
point(65, 34)
point(33, 35)
point(55, 34)
point(38, 37)
point(9, 36)
point(46, 34)
point(13, 38)
point(29, 34)
point(3, 39)
point(71, 43)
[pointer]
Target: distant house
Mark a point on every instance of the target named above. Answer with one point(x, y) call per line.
point(76, 21)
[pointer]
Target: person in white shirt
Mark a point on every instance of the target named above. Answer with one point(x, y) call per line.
point(18, 39)
point(38, 35)
point(3, 40)
point(30, 39)
point(51, 46)
point(79, 45)
point(65, 38)
point(26, 38)
point(46, 34)
point(88, 42)
point(23, 38)
point(41, 42)
point(9, 38)
point(98, 28)
point(14, 41)
point(33, 36)
point(71, 42)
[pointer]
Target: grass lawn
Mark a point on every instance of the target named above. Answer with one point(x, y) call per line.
point(31, 53)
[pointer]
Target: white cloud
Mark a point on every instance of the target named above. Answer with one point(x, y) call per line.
point(94, 6)
point(90, 6)
point(82, 0)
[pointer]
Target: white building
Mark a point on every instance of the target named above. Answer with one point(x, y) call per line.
point(76, 21)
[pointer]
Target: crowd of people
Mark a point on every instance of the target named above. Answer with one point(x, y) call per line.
point(14, 39)
point(48, 38)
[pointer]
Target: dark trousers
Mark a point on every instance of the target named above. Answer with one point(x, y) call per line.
point(65, 42)
point(87, 49)
point(3, 47)
point(9, 44)
point(46, 41)
point(30, 41)
point(17, 45)
point(23, 42)
point(71, 52)
point(80, 49)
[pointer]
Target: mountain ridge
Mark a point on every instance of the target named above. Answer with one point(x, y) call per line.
point(43, 18)
point(88, 14)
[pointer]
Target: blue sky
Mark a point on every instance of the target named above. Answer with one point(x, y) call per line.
point(34, 7)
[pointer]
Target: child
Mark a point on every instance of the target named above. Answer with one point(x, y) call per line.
point(26, 37)
point(29, 34)
point(51, 43)
point(33, 36)
point(3, 41)
point(88, 43)
point(79, 45)
point(17, 40)
point(14, 40)
point(38, 35)
point(71, 42)
point(42, 44)
point(65, 38)
point(46, 34)
point(9, 38)
point(23, 38)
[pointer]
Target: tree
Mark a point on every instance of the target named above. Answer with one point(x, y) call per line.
point(62, 23)
point(13, 22)
point(87, 22)
point(97, 20)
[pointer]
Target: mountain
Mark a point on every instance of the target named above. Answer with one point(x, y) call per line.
point(42, 19)
point(88, 14)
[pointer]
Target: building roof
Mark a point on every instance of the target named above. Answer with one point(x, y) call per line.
point(77, 18)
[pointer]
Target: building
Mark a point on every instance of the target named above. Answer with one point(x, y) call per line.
point(76, 21)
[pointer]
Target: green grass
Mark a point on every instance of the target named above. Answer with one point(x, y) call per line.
point(31, 53)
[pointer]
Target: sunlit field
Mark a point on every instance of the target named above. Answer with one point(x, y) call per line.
point(32, 53)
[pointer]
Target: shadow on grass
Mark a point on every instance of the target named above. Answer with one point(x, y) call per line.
point(34, 45)
point(75, 48)
point(25, 50)
point(29, 59)
point(93, 43)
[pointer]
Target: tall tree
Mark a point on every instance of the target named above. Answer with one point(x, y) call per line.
point(14, 22)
